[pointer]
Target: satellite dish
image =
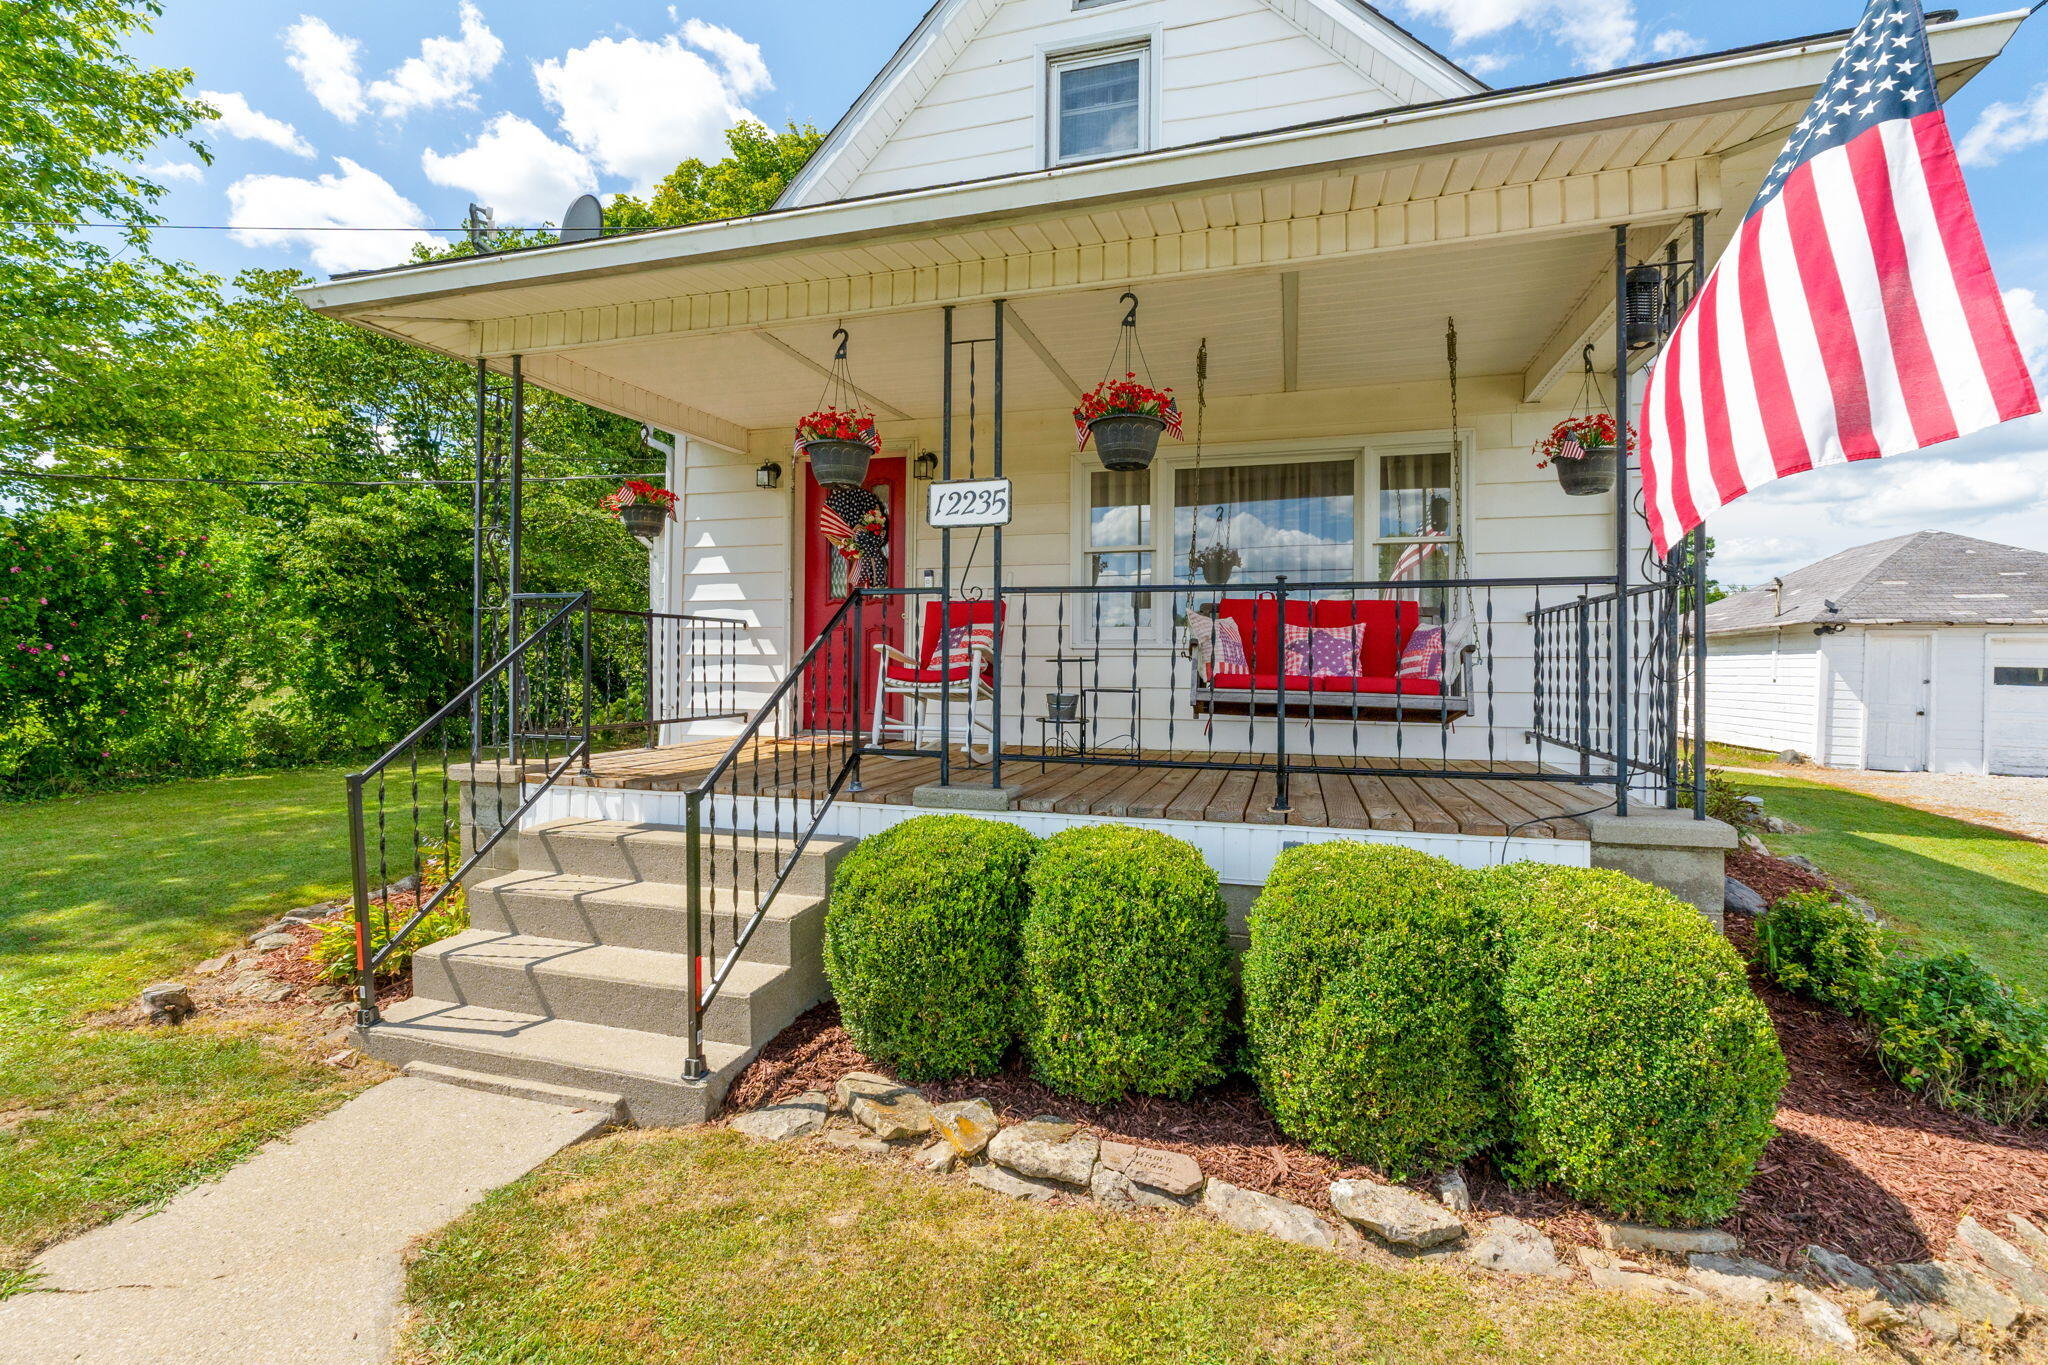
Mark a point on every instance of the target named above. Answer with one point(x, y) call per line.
point(583, 221)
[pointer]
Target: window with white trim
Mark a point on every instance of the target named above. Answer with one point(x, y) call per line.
point(1099, 103)
point(1119, 550)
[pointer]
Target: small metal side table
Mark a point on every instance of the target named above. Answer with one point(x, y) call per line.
point(1062, 735)
point(1091, 712)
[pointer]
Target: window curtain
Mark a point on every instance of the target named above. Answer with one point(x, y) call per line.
point(1299, 519)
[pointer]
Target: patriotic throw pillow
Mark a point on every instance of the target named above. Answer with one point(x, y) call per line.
point(1218, 645)
point(1423, 659)
point(1324, 651)
point(966, 643)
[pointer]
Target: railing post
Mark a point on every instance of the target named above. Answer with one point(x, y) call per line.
point(1280, 802)
point(1699, 673)
point(859, 649)
point(693, 935)
point(1622, 674)
point(651, 654)
point(945, 651)
point(995, 749)
point(585, 769)
point(359, 867)
point(1585, 707)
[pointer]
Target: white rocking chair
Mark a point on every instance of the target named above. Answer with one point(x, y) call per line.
point(964, 681)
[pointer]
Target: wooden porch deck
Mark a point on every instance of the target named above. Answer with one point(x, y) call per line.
point(1474, 805)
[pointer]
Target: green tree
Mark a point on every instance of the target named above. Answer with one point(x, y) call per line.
point(78, 307)
point(758, 168)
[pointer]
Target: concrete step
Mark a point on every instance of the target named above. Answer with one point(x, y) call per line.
point(658, 853)
point(624, 988)
point(644, 1069)
point(612, 1107)
point(648, 915)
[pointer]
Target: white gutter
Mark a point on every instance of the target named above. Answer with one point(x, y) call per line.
point(1733, 81)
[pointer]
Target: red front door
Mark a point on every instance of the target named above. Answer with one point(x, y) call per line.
point(828, 580)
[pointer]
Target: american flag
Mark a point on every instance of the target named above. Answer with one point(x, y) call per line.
point(1854, 315)
point(1409, 565)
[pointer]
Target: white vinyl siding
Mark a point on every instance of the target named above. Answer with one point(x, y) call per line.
point(1763, 691)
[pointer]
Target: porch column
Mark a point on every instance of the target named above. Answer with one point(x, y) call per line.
point(1623, 673)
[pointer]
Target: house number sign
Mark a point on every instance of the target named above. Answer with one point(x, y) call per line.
point(969, 502)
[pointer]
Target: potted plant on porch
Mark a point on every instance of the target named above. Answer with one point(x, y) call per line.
point(1125, 418)
point(641, 507)
point(839, 445)
point(1582, 450)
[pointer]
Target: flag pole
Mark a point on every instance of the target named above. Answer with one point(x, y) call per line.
point(1621, 598)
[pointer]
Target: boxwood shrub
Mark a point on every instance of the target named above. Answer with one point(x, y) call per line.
point(921, 943)
point(1126, 965)
point(1815, 946)
point(1369, 1006)
point(1643, 1072)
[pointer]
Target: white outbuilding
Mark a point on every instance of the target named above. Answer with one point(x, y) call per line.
point(1926, 652)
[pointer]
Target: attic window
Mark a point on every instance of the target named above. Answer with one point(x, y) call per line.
point(1098, 103)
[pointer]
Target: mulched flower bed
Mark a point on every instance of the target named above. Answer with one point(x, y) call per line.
point(1772, 877)
point(1859, 1165)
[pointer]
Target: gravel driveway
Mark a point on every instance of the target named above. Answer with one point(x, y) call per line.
point(2016, 804)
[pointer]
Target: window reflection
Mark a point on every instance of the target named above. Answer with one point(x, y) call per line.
point(1250, 523)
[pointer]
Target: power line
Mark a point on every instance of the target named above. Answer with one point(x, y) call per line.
point(295, 483)
point(248, 227)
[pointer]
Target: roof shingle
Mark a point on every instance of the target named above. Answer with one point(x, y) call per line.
point(1926, 578)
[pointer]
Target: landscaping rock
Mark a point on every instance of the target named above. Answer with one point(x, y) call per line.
point(897, 1116)
point(938, 1158)
point(795, 1118)
point(1960, 1290)
point(1046, 1149)
point(1859, 905)
point(1115, 1190)
point(1800, 860)
point(1751, 843)
point(966, 1125)
point(1823, 1318)
point(860, 1083)
point(1452, 1190)
point(1937, 1324)
point(1879, 1315)
point(213, 965)
point(168, 1002)
point(847, 1141)
point(1736, 1279)
point(1608, 1271)
point(2005, 1263)
point(1015, 1186)
point(1667, 1241)
point(1250, 1211)
point(1395, 1215)
point(2029, 1237)
point(1791, 757)
point(1741, 899)
point(1832, 1267)
point(1171, 1173)
point(270, 941)
point(1509, 1246)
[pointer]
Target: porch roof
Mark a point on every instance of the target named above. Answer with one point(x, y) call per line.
point(1554, 164)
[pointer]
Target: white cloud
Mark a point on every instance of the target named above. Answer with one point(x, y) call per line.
point(639, 106)
point(514, 167)
point(745, 72)
point(326, 62)
point(237, 119)
point(446, 71)
point(189, 171)
point(1484, 63)
point(2005, 127)
point(1601, 33)
point(283, 210)
point(2030, 326)
point(1674, 42)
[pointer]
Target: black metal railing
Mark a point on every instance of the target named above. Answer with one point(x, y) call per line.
point(753, 815)
point(652, 669)
point(523, 724)
point(1133, 675)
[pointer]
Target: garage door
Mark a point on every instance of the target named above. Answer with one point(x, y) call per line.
point(2018, 718)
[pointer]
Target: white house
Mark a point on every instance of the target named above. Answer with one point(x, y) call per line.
point(1372, 282)
point(1924, 652)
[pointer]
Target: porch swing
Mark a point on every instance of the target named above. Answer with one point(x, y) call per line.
point(1391, 669)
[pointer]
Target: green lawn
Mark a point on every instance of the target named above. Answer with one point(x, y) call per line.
point(104, 894)
point(1942, 883)
point(698, 1246)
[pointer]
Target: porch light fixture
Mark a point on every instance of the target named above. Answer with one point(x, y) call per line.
point(769, 475)
point(1645, 320)
point(925, 467)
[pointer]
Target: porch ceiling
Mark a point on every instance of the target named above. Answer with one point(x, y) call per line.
point(1369, 320)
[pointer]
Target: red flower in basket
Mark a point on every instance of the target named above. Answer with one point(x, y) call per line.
point(830, 424)
point(1576, 438)
point(634, 491)
point(1126, 397)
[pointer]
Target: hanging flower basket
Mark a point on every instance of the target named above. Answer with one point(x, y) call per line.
point(1125, 420)
point(641, 507)
point(1582, 450)
point(1215, 563)
point(838, 445)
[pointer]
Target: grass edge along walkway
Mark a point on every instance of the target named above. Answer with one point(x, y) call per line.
point(106, 893)
point(700, 1246)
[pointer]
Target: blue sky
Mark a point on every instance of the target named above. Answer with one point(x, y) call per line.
point(381, 114)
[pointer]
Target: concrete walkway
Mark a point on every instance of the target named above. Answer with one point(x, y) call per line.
point(296, 1254)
